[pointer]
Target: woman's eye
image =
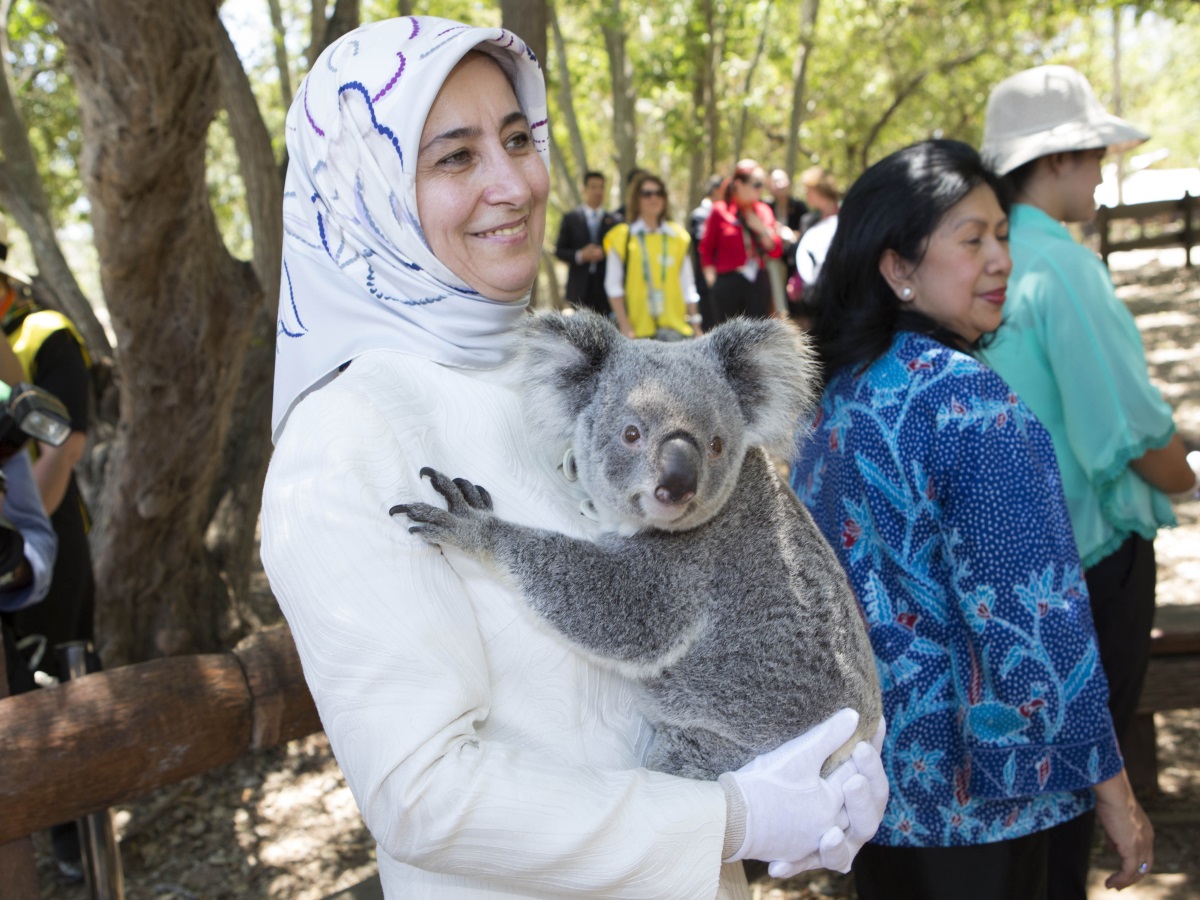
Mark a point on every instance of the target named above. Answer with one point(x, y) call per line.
point(632, 435)
point(519, 141)
point(456, 159)
point(716, 445)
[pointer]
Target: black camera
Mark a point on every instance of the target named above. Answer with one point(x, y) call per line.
point(28, 411)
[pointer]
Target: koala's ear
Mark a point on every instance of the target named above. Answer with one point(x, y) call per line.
point(774, 372)
point(561, 357)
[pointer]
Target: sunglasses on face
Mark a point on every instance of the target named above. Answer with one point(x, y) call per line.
point(650, 192)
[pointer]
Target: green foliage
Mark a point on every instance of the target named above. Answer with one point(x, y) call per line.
point(881, 74)
point(44, 93)
point(226, 191)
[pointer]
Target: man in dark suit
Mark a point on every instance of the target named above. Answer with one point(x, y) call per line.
point(580, 246)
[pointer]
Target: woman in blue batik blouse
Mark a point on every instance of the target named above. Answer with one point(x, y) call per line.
point(939, 491)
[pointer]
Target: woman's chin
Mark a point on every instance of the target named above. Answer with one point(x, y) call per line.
point(502, 294)
point(504, 285)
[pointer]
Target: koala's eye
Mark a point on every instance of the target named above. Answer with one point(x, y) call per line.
point(632, 435)
point(715, 446)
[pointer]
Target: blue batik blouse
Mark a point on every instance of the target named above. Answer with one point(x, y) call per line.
point(939, 492)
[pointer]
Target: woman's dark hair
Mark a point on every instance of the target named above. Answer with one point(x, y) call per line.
point(896, 204)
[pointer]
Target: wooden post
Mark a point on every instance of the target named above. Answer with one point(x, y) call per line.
point(18, 865)
point(1189, 234)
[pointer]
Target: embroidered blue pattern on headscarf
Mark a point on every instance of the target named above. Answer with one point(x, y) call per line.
point(358, 273)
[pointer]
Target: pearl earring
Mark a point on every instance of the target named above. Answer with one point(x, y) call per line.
point(906, 293)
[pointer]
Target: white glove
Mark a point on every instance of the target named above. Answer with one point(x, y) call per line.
point(789, 806)
point(865, 786)
point(1192, 493)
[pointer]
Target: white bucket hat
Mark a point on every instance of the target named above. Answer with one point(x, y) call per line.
point(7, 268)
point(1049, 109)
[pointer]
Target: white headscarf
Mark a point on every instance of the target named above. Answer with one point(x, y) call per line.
point(358, 273)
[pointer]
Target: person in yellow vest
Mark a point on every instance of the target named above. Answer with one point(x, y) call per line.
point(648, 278)
point(54, 357)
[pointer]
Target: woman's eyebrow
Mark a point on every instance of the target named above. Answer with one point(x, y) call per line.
point(471, 132)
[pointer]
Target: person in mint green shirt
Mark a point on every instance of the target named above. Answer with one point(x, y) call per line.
point(1071, 350)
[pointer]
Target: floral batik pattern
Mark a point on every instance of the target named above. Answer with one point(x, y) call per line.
point(939, 492)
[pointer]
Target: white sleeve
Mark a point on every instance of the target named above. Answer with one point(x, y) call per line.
point(687, 280)
point(396, 664)
point(805, 264)
point(614, 275)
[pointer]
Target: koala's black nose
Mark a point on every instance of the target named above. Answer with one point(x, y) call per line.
point(678, 471)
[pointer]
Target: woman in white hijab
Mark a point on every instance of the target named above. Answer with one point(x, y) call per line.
point(487, 757)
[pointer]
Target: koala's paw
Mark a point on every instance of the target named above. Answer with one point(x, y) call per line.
point(463, 524)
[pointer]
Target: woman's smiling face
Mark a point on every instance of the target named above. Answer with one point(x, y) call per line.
point(481, 186)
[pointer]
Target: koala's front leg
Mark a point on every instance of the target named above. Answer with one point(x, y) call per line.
point(467, 523)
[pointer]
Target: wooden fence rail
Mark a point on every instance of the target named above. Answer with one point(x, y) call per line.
point(1175, 223)
point(110, 737)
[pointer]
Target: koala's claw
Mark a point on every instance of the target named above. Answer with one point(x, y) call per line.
point(461, 524)
point(458, 491)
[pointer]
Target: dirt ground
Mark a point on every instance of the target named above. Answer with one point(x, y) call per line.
point(281, 823)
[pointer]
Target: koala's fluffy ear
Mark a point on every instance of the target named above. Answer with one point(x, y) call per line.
point(561, 357)
point(775, 374)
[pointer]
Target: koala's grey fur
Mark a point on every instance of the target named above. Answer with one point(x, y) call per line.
point(712, 586)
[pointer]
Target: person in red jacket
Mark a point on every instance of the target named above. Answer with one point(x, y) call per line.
point(740, 235)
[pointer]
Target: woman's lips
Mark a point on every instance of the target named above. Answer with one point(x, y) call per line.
point(997, 296)
point(509, 229)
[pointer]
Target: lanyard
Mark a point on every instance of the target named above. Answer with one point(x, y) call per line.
point(646, 272)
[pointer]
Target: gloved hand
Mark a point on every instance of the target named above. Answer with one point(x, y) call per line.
point(865, 786)
point(1192, 493)
point(789, 807)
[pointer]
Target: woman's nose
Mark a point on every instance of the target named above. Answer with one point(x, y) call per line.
point(506, 180)
point(1000, 260)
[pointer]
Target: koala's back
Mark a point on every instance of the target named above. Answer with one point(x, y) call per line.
point(783, 645)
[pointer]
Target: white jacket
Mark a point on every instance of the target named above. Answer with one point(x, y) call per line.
point(487, 757)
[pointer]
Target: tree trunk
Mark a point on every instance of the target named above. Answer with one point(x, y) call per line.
point(808, 32)
point(278, 34)
point(739, 136)
point(316, 32)
point(566, 103)
point(624, 109)
point(716, 54)
point(237, 493)
point(147, 79)
point(701, 160)
point(24, 198)
point(346, 16)
point(566, 184)
point(527, 20)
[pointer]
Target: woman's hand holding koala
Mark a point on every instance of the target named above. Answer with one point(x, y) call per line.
point(865, 786)
point(797, 820)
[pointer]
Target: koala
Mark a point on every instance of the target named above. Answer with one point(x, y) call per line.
point(710, 585)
